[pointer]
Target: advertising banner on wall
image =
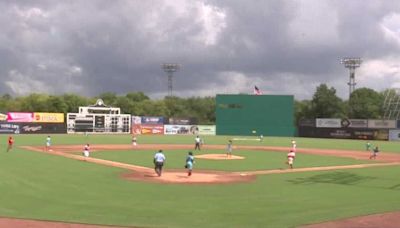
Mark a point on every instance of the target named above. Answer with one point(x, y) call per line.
point(3, 117)
point(46, 117)
point(381, 134)
point(136, 120)
point(382, 124)
point(152, 120)
point(206, 130)
point(358, 123)
point(307, 122)
point(9, 128)
point(182, 121)
point(344, 133)
point(394, 135)
point(42, 128)
point(20, 117)
point(328, 123)
point(136, 129)
point(152, 129)
point(180, 129)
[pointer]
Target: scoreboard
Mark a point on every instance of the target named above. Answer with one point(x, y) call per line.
point(98, 118)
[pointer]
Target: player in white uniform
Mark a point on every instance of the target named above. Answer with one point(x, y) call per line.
point(294, 145)
point(290, 158)
point(134, 140)
point(197, 141)
point(86, 150)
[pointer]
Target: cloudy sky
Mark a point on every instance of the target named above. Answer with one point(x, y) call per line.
point(224, 46)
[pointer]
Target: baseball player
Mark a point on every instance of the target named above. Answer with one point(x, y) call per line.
point(86, 150)
point(159, 160)
point(10, 143)
point(48, 143)
point(134, 140)
point(189, 163)
point(197, 141)
point(290, 158)
point(294, 145)
point(229, 149)
point(368, 146)
point(375, 152)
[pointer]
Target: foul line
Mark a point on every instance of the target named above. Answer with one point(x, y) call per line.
point(93, 160)
point(309, 169)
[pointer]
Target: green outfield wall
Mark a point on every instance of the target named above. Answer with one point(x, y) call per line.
point(269, 115)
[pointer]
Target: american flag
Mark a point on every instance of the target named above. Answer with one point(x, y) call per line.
point(257, 91)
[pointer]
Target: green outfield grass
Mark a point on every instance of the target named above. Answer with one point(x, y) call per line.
point(254, 160)
point(41, 186)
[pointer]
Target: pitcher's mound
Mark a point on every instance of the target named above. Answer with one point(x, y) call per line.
point(218, 157)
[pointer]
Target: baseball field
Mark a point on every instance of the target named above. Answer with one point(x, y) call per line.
point(116, 186)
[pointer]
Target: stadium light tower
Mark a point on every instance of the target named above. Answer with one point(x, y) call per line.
point(170, 68)
point(351, 64)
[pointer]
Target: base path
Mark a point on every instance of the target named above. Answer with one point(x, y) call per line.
point(24, 223)
point(386, 220)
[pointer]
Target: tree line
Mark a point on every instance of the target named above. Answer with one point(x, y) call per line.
point(135, 103)
point(364, 103)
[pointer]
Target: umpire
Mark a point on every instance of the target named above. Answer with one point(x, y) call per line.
point(197, 141)
point(159, 160)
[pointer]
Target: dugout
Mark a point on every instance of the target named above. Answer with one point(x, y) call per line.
point(269, 115)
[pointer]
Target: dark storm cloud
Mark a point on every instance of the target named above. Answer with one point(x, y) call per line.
point(285, 47)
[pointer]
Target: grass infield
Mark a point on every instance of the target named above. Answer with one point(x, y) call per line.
point(41, 186)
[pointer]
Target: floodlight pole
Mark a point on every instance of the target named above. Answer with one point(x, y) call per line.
point(351, 64)
point(170, 68)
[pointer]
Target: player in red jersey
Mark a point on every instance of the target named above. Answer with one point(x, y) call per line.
point(10, 143)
